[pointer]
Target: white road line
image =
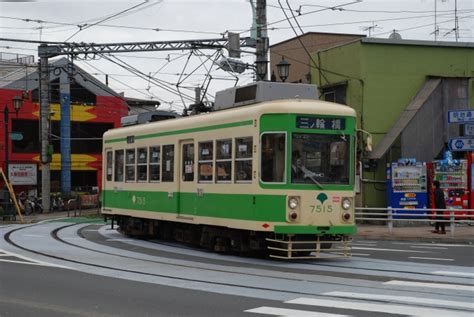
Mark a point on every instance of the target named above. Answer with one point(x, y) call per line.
point(381, 308)
point(360, 254)
point(427, 247)
point(35, 263)
point(434, 259)
point(30, 260)
point(448, 273)
point(265, 310)
point(403, 299)
point(33, 235)
point(389, 250)
point(431, 285)
point(437, 244)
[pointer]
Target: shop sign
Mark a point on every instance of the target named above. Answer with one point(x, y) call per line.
point(460, 116)
point(469, 129)
point(23, 174)
point(461, 144)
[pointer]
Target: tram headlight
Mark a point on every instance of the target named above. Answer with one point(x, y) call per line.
point(293, 203)
point(346, 203)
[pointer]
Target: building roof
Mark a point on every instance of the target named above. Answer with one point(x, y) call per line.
point(371, 40)
point(316, 33)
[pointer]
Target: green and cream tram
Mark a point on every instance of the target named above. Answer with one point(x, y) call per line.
point(269, 175)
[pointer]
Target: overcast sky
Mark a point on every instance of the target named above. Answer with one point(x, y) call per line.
point(155, 20)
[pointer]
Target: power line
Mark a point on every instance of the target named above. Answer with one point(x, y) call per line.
point(84, 27)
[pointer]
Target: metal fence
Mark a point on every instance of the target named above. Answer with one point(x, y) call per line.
point(392, 215)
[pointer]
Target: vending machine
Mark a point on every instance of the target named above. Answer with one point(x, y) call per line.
point(407, 186)
point(453, 178)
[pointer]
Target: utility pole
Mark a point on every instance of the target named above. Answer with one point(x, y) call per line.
point(65, 127)
point(44, 121)
point(262, 40)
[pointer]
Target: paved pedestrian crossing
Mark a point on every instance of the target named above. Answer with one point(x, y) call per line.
point(340, 303)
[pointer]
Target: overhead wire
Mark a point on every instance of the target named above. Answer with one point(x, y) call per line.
point(87, 26)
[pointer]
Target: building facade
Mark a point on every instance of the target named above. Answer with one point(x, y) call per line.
point(401, 90)
point(94, 108)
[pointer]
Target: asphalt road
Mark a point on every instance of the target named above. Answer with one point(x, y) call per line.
point(63, 269)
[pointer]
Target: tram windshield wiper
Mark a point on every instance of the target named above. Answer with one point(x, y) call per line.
point(312, 176)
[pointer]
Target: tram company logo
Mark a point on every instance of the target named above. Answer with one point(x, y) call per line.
point(322, 198)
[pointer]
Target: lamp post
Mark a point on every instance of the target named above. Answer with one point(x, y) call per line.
point(283, 68)
point(17, 104)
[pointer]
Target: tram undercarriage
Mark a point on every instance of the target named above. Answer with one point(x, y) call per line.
point(227, 240)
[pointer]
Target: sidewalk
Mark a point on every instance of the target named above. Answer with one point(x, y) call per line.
point(462, 233)
point(54, 215)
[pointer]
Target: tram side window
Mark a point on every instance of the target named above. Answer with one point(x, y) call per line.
point(243, 159)
point(119, 156)
point(205, 161)
point(109, 166)
point(223, 160)
point(130, 165)
point(142, 164)
point(167, 168)
point(188, 162)
point(272, 163)
point(154, 157)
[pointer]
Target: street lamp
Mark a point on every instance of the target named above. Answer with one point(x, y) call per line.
point(17, 104)
point(283, 68)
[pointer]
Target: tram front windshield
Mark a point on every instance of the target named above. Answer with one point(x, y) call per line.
point(320, 158)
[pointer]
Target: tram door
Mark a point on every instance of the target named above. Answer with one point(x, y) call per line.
point(187, 188)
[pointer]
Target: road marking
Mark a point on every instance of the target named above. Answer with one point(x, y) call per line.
point(381, 308)
point(360, 254)
point(431, 285)
point(30, 260)
point(33, 235)
point(427, 247)
point(460, 274)
point(403, 299)
point(365, 244)
point(390, 250)
point(120, 240)
point(437, 244)
point(434, 259)
point(289, 312)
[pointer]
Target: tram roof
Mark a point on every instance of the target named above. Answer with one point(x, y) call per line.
point(302, 106)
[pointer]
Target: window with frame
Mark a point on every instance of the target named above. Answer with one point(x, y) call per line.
point(188, 162)
point(109, 163)
point(119, 164)
point(154, 163)
point(273, 158)
point(223, 160)
point(243, 159)
point(130, 165)
point(142, 167)
point(167, 168)
point(205, 162)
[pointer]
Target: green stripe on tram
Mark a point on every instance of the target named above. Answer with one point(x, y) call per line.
point(269, 208)
point(183, 131)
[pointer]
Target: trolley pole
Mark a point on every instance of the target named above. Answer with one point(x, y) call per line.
point(44, 115)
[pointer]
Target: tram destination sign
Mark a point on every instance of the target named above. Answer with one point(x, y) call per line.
point(460, 116)
point(320, 123)
point(461, 144)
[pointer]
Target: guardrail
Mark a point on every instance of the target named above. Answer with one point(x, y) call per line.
point(391, 215)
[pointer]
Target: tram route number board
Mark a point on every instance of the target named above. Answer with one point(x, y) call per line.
point(320, 123)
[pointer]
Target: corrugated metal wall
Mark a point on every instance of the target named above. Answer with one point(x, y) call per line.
point(428, 132)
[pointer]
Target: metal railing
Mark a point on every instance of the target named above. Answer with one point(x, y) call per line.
point(424, 215)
